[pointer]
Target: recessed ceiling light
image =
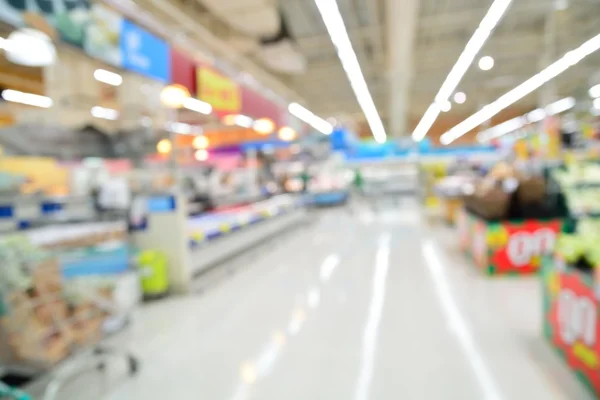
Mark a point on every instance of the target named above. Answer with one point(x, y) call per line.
point(460, 97)
point(446, 106)
point(486, 63)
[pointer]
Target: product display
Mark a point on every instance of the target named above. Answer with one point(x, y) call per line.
point(511, 221)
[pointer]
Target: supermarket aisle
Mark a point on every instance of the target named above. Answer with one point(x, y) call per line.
point(364, 306)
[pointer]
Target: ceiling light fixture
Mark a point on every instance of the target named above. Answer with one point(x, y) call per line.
point(196, 105)
point(445, 106)
point(460, 97)
point(180, 128)
point(339, 36)
point(29, 99)
point(488, 23)
point(110, 78)
point(534, 116)
point(287, 134)
point(311, 119)
point(201, 155)
point(200, 142)
point(105, 113)
point(486, 63)
point(264, 126)
point(552, 71)
point(594, 91)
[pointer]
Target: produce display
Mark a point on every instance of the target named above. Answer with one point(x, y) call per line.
point(580, 183)
point(511, 221)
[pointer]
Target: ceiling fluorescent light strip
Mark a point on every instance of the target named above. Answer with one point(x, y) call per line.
point(29, 99)
point(198, 106)
point(311, 119)
point(534, 116)
point(110, 78)
point(339, 36)
point(105, 113)
point(535, 82)
point(487, 25)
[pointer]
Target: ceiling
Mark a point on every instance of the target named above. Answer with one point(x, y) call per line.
point(440, 30)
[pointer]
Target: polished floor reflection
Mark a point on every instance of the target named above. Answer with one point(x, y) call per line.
point(358, 305)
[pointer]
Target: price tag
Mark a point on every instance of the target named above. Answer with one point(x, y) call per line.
point(577, 325)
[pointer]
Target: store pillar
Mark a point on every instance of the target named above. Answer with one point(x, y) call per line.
point(402, 24)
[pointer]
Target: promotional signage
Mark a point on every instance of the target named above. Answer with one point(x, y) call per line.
point(508, 247)
point(64, 18)
point(144, 53)
point(220, 92)
point(102, 38)
point(571, 320)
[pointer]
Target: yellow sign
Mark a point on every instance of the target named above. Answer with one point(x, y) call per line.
point(219, 91)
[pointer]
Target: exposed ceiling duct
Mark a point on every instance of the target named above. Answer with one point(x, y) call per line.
point(280, 52)
point(257, 18)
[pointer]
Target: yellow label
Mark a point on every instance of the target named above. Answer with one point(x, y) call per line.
point(198, 236)
point(225, 228)
point(586, 355)
point(219, 91)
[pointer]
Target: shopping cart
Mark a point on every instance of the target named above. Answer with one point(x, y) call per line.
point(53, 326)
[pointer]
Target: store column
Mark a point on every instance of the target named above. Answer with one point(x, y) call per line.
point(401, 27)
point(547, 93)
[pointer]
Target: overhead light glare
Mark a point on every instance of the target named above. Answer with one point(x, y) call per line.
point(446, 106)
point(594, 91)
point(108, 77)
point(460, 97)
point(196, 105)
point(339, 36)
point(531, 84)
point(105, 113)
point(597, 104)
point(488, 23)
point(29, 99)
point(534, 116)
point(201, 155)
point(311, 119)
point(486, 63)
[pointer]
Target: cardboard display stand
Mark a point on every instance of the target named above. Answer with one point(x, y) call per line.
point(513, 247)
point(571, 322)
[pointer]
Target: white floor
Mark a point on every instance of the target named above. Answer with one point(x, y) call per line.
point(370, 305)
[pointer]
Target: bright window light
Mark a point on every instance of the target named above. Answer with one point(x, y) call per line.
point(29, 99)
point(339, 36)
point(552, 71)
point(311, 119)
point(488, 23)
point(486, 63)
point(460, 97)
point(597, 104)
point(105, 113)
point(110, 78)
point(595, 92)
point(196, 105)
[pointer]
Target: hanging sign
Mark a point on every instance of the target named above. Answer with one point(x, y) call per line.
point(220, 92)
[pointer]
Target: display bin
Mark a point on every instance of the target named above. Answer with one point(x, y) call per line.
point(513, 247)
point(571, 323)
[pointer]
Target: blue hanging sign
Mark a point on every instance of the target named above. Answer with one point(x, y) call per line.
point(144, 53)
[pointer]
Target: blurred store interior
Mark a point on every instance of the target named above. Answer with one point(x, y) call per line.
point(299, 199)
